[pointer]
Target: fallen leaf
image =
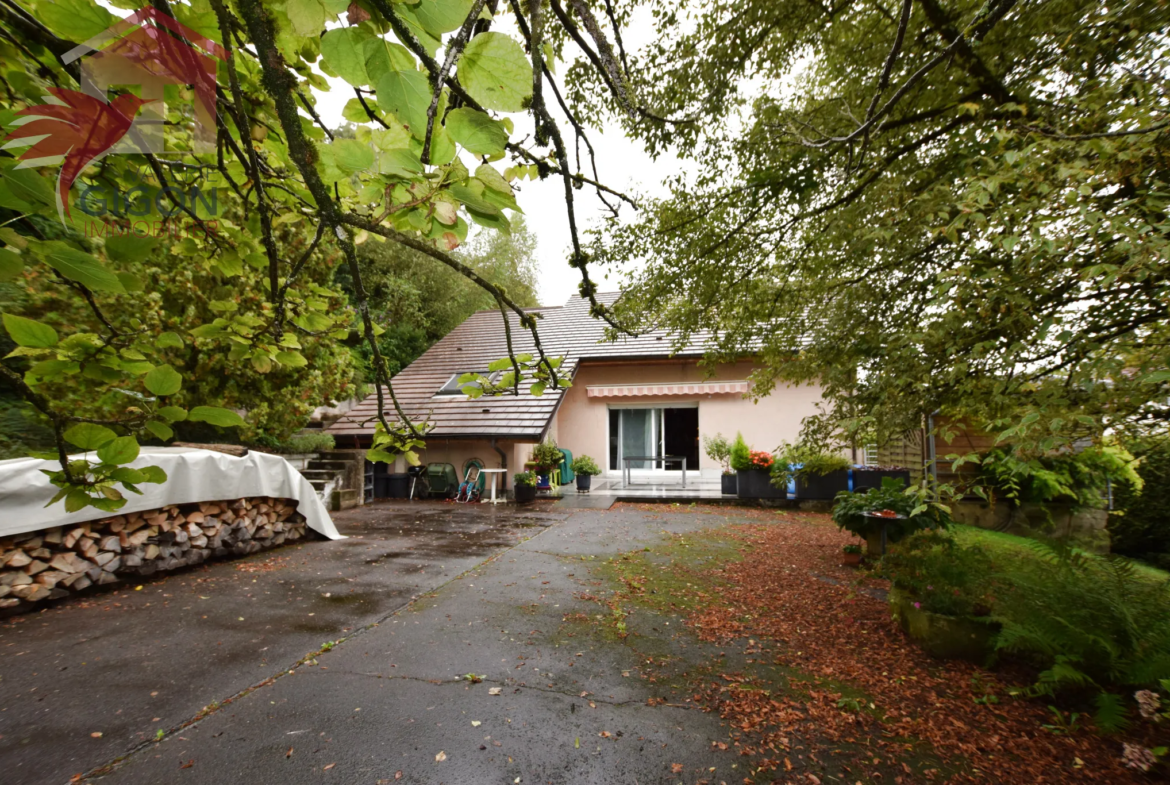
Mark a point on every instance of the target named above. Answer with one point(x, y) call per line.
point(476, 723)
point(442, 756)
point(327, 768)
point(187, 765)
point(494, 691)
point(605, 734)
point(398, 775)
point(676, 768)
point(289, 753)
point(577, 743)
point(96, 734)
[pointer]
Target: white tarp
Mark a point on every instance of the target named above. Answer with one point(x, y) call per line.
point(193, 475)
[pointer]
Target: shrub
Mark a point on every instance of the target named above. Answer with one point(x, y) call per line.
point(941, 575)
point(741, 454)
point(302, 443)
point(796, 459)
point(1139, 526)
point(851, 548)
point(1077, 478)
point(525, 478)
point(1093, 624)
point(849, 507)
point(585, 465)
point(718, 449)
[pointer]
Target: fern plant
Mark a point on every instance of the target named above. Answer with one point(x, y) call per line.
point(1094, 625)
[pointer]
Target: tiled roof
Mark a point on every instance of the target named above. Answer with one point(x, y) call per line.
point(567, 331)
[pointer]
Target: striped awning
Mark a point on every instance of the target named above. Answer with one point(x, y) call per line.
point(692, 388)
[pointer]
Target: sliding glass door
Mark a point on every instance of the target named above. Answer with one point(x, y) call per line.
point(653, 431)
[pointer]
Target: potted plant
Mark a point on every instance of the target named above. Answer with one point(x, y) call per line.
point(525, 486)
point(718, 449)
point(851, 555)
point(814, 473)
point(753, 471)
point(584, 467)
point(546, 457)
point(866, 477)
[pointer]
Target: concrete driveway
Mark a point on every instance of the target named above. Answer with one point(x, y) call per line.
point(460, 658)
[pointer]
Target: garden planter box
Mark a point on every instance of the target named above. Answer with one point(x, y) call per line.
point(525, 493)
point(946, 637)
point(728, 484)
point(872, 478)
point(822, 486)
point(757, 484)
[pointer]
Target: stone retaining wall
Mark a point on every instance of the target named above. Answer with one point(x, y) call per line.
point(56, 562)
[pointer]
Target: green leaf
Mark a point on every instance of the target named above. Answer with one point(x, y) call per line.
point(500, 364)
point(476, 132)
point(127, 476)
point(442, 16)
point(383, 56)
point(10, 264)
point(473, 200)
point(291, 359)
point(307, 16)
point(537, 388)
point(77, 265)
point(154, 474)
point(169, 340)
point(406, 95)
point(496, 72)
point(130, 282)
point(1157, 376)
point(173, 413)
point(161, 430)
point(77, 499)
point(26, 332)
point(29, 186)
point(89, 436)
point(123, 449)
point(345, 55)
point(225, 418)
point(130, 247)
point(75, 20)
point(163, 380)
point(352, 156)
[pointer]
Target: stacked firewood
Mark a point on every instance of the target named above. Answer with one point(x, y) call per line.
point(52, 563)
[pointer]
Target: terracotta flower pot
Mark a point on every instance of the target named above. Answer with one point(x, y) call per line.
point(850, 559)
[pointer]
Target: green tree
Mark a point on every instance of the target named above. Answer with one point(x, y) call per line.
point(920, 205)
point(422, 302)
point(242, 284)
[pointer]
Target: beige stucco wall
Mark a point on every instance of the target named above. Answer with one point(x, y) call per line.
point(583, 422)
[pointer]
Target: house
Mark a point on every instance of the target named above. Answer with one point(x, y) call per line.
point(629, 397)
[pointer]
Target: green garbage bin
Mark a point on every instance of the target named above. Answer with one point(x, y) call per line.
point(567, 475)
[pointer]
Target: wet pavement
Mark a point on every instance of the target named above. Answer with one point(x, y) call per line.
point(228, 673)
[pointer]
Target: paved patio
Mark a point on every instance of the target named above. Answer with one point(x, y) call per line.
point(343, 661)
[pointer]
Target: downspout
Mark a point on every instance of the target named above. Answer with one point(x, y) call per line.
point(503, 464)
point(931, 454)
